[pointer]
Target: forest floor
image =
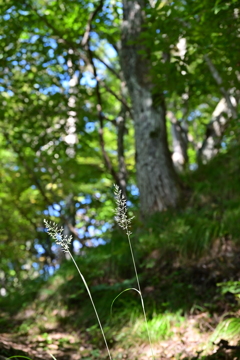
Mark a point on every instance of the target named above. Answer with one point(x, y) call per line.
point(192, 338)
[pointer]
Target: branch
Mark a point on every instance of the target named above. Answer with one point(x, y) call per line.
point(107, 66)
point(106, 158)
point(121, 100)
point(39, 186)
point(86, 35)
point(85, 38)
point(219, 81)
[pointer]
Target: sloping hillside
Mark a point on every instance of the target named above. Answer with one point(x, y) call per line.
point(189, 269)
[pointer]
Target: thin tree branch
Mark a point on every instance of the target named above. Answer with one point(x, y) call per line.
point(107, 66)
point(85, 38)
point(106, 158)
point(120, 99)
point(86, 35)
point(219, 81)
point(39, 186)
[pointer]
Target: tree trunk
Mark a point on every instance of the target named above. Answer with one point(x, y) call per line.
point(179, 143)
point(215, 129)
point(156, 177)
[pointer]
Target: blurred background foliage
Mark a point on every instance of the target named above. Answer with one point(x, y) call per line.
point(62, 105)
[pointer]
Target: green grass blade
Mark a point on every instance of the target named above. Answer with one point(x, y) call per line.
point(52, 356)
point(121, 294)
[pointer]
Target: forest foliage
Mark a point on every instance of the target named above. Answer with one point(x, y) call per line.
point(67, 135)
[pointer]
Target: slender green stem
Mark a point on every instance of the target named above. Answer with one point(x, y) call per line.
point(140, 293)
point(89, 293)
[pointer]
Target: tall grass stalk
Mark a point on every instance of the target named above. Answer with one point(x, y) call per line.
point(64, 240)
point(124, 222)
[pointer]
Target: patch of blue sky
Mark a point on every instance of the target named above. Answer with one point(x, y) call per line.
point(49, 63)
point(92, 231)
point(50, 42)
point(97, 242)
point(54, 210)
point(10, 92)
point(90, 127)
point(6, 17)
point(111, 52)
point(223, 145)
point(35, 265)
point(61, 203)
point(194, 114)
point(51, 270)
point(22, 62)
point(65, 84)
point(35, 54)
point(87, 79)
point(81, 233)
point(86, 200)
point(54, 247)
point(106, 227)
point(57, 207)
point(101, 241)
point(61, 59)
point(23, 12)
point(50, 90)
point(32, 39)
point(51, 53)
point(110, 16)
point(10, 9)
point(129, 203)
point(81, 211)
point(39, 248)
point(76, 246)
point(134, 190)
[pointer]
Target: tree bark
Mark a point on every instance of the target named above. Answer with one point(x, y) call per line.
point(156, 177)
point(215, 129)
point(219, 81)
point(179, 143)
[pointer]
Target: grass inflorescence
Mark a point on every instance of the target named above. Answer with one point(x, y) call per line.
point(64, 242)
point(124, 221)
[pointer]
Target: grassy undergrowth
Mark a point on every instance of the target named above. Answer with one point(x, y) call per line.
point(186, 258)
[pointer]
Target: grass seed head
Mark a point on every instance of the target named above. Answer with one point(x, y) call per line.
point(57, 234)
point(121, 215)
